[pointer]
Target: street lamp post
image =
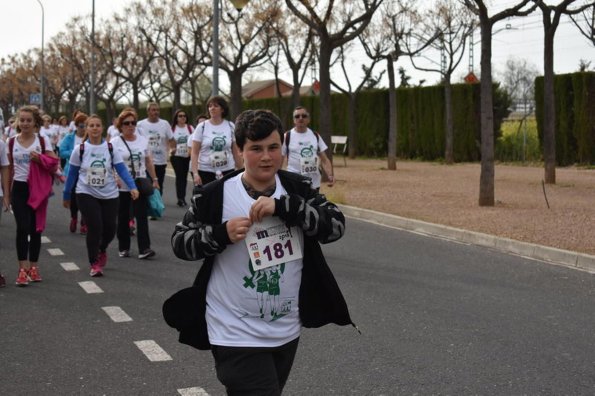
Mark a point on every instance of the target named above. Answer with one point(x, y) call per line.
point(92, 104)
point(42, 103)
point(238, 4)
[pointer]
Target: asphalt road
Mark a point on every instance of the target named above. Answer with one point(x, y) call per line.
point(436, 317)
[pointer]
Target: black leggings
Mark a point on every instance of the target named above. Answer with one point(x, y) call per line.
point(181, 165)
point(74, 208)
point(100, 216)
point(28, 240)
point(207, 177)
point(160, 172)
point(139, 207)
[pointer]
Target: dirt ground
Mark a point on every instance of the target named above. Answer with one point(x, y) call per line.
point(449, 195)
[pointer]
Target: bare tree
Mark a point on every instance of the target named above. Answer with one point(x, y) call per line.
point(351, 93)
point(455, 24)
point(585, 22)
point(335, 23)
point(486, 23)
point(551, 19)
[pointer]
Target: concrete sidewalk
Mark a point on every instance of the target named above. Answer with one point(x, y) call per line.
point(549, 255)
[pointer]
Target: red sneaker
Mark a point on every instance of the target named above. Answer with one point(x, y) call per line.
point(96, 270)
point(34, 274)
point(101, 259)
point(22, 278)
point(72, 227)
point(83, 229)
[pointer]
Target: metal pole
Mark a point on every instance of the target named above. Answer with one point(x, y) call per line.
point(93, 106)
point(215, 47)
point(42, 102)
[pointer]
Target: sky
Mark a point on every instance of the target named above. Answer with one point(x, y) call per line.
point(21, 30)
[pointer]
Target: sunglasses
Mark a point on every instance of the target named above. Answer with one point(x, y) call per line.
point(127, 123)
point(181, 115)
point(296, 116)
point(82, 126)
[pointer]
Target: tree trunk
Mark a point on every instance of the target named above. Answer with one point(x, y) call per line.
point(235, 79)
point(295, 92)
point(352, 123)
point(549, 107)
point(449, 143)
point(177, 96)
point(325, 92)
point(486, 179)
point(135, 94)
point(392, 111)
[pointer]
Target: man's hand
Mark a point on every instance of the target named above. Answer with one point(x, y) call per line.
point(197, 179)
point(66, 204)
point(264, 206)
point(237, 228)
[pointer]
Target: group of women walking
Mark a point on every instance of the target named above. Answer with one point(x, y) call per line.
point(102, 176)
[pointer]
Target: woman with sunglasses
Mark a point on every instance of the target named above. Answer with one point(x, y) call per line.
point(214, 151)
point(134, 149)
point(180, 155)
point(92, 164)
point(70, 141)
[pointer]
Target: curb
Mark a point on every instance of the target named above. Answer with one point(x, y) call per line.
point(567, 258)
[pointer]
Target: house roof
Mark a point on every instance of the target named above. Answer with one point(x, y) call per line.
point(255, 86)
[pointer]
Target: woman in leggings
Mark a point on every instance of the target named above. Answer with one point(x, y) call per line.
point(180, 155)
point(92, 164)
point(27, 146)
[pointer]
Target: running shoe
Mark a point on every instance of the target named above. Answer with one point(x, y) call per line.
point(181, 203)
point(96, 270)
point(22, 278)
point(72, 227)
point(146, 254)
point(2, 281)
point(124, 253)
point(102, 259)
point(152, 218)
point(83, 229)
point(34, 274)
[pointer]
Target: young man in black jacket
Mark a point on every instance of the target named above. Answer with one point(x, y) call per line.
point(264, 275)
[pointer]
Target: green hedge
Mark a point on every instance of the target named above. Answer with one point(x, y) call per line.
point(575, 117)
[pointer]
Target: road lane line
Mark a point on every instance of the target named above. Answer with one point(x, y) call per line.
point(152, 351)
point(45, 239)
point(193, 392)
point(90, 287)
point(117, 314)
point(70, 266)
point(55, 252)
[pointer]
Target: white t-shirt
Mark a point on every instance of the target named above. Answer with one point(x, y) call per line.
point(182, 135)
point(96, 176)
point(215, 146)
point(247, 308)
point(304, 148)
point(159, 134)
point(9, 132)
point(62, 132)
point(140, 151)
point(51, 133)
point(3, 160)
point(112, 132)
point(20, 156)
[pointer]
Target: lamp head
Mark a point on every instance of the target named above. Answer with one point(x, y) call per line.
point(239, 4)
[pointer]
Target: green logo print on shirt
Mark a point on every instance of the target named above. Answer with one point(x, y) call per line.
point(267, 283)
point(218, 143)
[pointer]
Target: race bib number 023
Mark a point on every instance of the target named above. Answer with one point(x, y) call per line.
point(271, 243)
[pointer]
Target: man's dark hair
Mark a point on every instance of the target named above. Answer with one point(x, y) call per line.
point(256, 125)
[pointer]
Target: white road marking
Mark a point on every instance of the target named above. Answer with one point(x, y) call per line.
point(117, 314)
point(45, 239)
point(55, 252)
point(152, 351)
point(90, 287)
point(70, 266)
point(193, 392)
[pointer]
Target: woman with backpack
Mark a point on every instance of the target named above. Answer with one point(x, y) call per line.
point(92, 165)
point(180, 155)
point(32, 164)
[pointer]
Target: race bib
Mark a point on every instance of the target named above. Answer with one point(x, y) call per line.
point(219, 159)
point(309, 165)
point(271, 243)
point(96, 177)
point(182, 150)
point(154, 141)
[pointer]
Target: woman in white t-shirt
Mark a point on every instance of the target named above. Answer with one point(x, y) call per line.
point(180, 155)
point(92, 165)
point(62, 130)
point(134, 149)
point(27, 146)
point(214, 151)
point(49, 131)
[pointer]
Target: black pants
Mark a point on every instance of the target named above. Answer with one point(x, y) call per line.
point(139, 209)
point(254, 371)
point(180, 165)
point(208, 177)
point(74, 207)
point(160, 172)
point(100, 216)
point(28, 240)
